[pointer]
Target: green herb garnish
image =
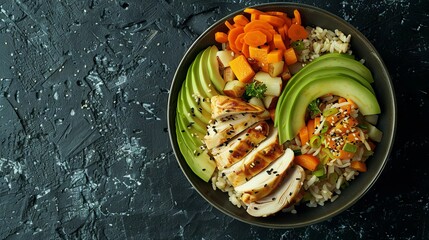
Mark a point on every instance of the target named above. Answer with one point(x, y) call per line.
point(298, 45)
point(314, 108)
point(255, 89)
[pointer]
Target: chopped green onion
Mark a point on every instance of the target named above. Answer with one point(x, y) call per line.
point(315, 141)
point(330, 111)
point(348, 147)
point(314, 108)
point(326, 151)
point(319, 172)
point(325, 128)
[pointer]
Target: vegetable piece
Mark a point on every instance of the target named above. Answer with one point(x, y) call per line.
point(245, 50)
point(314, 108)
point(307, 161)
point(270, 102)
point(274, 84)
point(241, 20)
point(278, 42)
point(343, 155)
point(310, 128)
point(273, 20)
point(275, 56)
point(275, 69)
point(224, 57)
point(255, 89)
point(257, 102)
point(232, 36)
point(242, 69)
point(348, 147)
point(239, 41)
point(255, 38)
point(315, 141)
point(359, 166)
point(297, 17)
point(374, 133)
point(253, 11)
point(286, 75)
point(297, 32)
point(303, 135)
point(330, 111)
point(298, 45)
point(320, 171)
point(221, 37)
point(228, 75)
point(234, 88)
point(290, 56)
point(229, 25)
point(260, 55)
point(256, 24)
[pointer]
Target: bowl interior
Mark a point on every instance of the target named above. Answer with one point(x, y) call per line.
point(362, 48)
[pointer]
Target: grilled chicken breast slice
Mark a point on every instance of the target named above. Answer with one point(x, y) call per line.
point(223, 106)
point(266, 181)
point(285, 195)
point(256, 161)
point(223, 130)
point(236, 149)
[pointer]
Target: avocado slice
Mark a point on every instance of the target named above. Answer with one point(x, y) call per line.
point(198, 160)
point(193, 115)
point(294, 118)
point(295, 87)
point(213, 69)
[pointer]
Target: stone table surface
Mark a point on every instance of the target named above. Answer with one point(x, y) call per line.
point(85, 152)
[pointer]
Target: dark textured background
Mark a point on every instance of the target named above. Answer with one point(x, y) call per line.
point(84, 141)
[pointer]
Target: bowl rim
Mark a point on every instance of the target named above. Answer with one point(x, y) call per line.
point(391, 95)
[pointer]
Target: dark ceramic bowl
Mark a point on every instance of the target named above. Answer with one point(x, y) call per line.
point(362, 48)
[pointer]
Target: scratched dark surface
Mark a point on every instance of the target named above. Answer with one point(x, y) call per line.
point(84, 148)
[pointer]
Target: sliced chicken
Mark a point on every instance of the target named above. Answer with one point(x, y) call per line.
point(225, 129)
point(256, 161)
point(228, 154)
point(223, 106)
point(266, 181)
point(284, 196)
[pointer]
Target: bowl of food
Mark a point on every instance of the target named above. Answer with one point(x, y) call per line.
point(282, 115)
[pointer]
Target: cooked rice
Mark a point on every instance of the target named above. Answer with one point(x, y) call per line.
point(322, 41)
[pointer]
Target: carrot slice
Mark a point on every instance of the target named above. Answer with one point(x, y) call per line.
point(229, 25)
point(221, 37)
point(273, 20)
point(253, 11)
point(255, 38)
point(232, 36)
point(297, 16)
point(303, 135)
point(290, 56)
point(245, 50)
point(307, 161)
point(278, 42)
point(239, 41)
point(359, 166)
point(310, 128)
point(257, 24)
point(297, 32)
point(242, 69)
point(241, 20)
